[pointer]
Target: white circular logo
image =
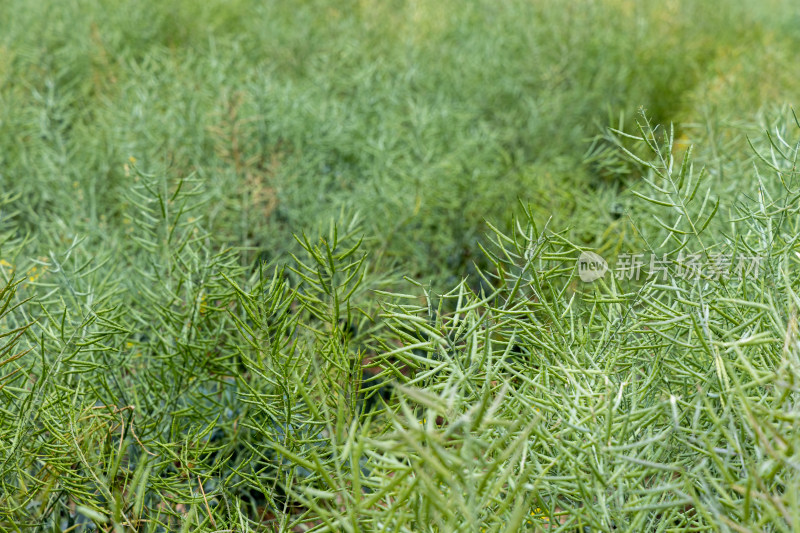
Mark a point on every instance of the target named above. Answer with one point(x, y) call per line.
point(591, 267)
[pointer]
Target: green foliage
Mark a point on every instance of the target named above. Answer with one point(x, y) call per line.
point(427, 117)
point(182, 392)
point(207, 213)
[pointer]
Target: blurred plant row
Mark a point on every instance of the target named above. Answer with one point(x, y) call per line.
point(425, 117)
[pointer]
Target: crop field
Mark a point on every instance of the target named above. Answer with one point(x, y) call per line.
point(402, 265)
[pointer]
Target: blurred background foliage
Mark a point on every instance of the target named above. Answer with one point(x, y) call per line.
point(424, 117)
